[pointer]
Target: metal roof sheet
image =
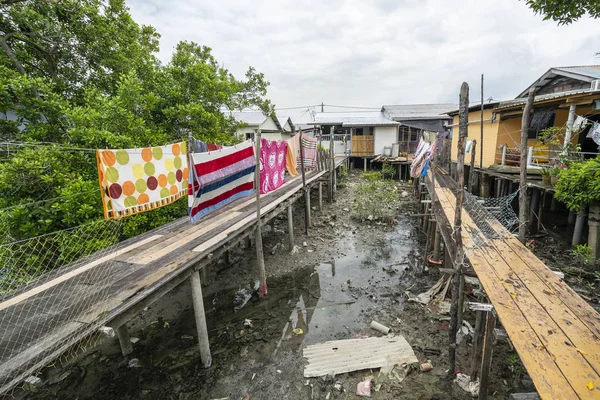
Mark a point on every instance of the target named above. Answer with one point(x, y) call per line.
point(252, 118)
point(544, 97)
point(354, 118)
point(419, 111)
point(591, 71)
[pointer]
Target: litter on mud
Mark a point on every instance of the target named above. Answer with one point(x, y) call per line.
point(341, 356)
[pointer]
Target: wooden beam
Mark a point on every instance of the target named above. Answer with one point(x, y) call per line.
point(290, 218)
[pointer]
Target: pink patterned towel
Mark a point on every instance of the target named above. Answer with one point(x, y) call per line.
point(272, 164)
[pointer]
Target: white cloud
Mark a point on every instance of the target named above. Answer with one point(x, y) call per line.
point(369, 53)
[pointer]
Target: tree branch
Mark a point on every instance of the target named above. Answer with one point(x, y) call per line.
point(9, 53)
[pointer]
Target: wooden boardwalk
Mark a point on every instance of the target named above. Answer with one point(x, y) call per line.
point(555, 332)
point(142, 269)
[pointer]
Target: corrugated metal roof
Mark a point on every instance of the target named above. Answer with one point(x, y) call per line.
point(354, 118)
point(252, 118)
point(591, 71)
point(283, 119)
point(418, 111)
point(544, 97)
point(474, 106)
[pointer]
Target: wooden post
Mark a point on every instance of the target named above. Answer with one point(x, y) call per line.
point(248, 242)
point(437, 244)
point(307, 203)
point(332, 164)
point(124, 340)
point(478, 341)
point(486, 360)
point(480, 132)
point(365, 164)
point(205, 271)
point(320, 196)
point(458, 262)
point(533, 209)
point(200, 315)
point(523, 166)
point(472, 167)
point(461, 300)
point(540, 210)
point(306, 195)
point(262, 276)
point(290, 218)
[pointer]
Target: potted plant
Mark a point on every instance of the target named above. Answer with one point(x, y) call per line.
point(545, 172)
point(554, 175)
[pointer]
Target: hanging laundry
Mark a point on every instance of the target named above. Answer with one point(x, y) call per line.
point(309, 149)
point(468, 146)
point(579, 123)
point(595, 133)
point(221, 177)
point(272, 164)
point(198, 146)
point(291, 158)
point(138, 180)
point(213, 147)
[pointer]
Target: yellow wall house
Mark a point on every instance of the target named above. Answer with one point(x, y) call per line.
point(558, 91)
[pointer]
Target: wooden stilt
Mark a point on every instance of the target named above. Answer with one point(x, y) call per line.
point(320, 196)
point(553, 204)
point(539, 212)
point(200, 315)
point(578, 231)
point(332, 165)
point(458, 262)
point(248, 242)
point(290, 218)
point(477, 341)
point(124, 340)
point(437, 244)
point(486, 360)
point(533, 210)
point(461, 300)
point(227, 257)
point(523, 165)
point(262, 275)
point(365, 164)
point(307, 222)
point(205, 271)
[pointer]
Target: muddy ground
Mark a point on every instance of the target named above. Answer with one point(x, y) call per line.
point(344, 275)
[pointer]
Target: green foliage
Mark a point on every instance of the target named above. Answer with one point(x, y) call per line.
point(545, 172)
point(79, 74)
point(565, 11)
point(342, 176)
point(515, 368)
point(583, 255)
point(388, 171)
point(579, 184)
point(376, 198)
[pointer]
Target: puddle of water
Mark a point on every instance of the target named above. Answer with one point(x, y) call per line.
point(344, 294)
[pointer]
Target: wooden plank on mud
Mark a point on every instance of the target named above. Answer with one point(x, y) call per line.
point(340, 356)
point(556, 366)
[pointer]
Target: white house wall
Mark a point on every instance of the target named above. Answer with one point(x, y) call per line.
point(269, 125)
point(384, 136)
point(272, 135)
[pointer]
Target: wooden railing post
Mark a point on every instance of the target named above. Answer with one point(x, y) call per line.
point(258, 236)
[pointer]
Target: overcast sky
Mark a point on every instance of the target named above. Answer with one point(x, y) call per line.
point(374, 52)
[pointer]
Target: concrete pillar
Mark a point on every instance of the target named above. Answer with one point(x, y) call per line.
point(200, 315)
point(437, 244)
point(579, 224)
point(124, 340)
point(571, 218)
point(594, 229)
point(365, 164)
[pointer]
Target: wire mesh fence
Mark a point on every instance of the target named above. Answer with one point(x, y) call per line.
point(52, 288)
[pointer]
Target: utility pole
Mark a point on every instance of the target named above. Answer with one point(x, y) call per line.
point(322, 107)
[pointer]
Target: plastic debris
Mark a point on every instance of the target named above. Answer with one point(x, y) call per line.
point(590, 385)
point(248, 323)
point(32, 383)
point(465, 383)
point(338, 386)
point(363, 388)
point(425, 367)
point(297, 331)
point(295, 249)
point(379, 327)
point(134, 340)
point(107, 331)
point(133, 363)
point(278, 371)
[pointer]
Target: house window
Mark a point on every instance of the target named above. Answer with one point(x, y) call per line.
point(371, 130)
point(249, 135)
point(359, 132)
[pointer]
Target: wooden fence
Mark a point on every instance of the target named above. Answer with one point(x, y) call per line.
point(362, 146)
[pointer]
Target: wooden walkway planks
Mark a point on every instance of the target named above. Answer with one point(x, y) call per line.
point(553, 351)
point(129, 283)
